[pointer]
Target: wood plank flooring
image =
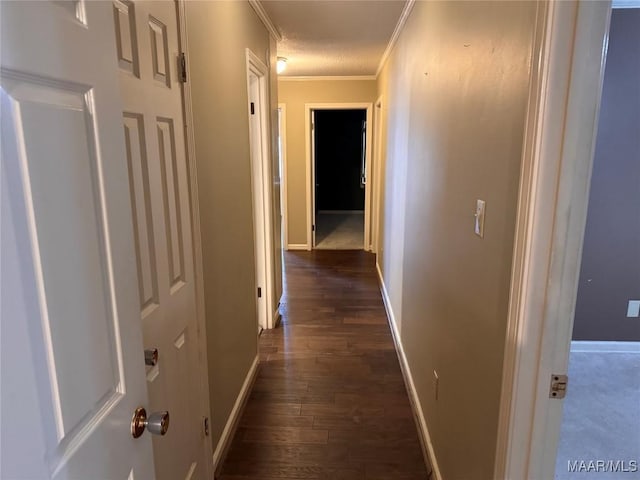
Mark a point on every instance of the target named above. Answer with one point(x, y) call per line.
point(329, 401)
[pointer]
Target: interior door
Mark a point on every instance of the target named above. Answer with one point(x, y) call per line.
point(71, 351)
point(258, 198)
point(146, 35)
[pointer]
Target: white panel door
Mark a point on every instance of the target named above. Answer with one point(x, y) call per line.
point(72, 362)
point(147, 46)
point(257, 179)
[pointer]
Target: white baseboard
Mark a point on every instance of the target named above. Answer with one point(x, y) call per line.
point(297, 246)
point(232, 422)
point(425, 438)
point(604, 347)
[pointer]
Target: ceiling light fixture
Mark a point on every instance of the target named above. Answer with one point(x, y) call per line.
point(281, 65)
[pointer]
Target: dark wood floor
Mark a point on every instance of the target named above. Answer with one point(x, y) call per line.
point(329, 400)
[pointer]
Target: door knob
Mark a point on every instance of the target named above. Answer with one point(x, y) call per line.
point(157, 423)
point(151, 357)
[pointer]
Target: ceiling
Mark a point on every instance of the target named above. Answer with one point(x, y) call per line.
point(333, 37)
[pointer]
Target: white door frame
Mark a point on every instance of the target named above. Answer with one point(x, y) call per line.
point(564, 100)
point(282, 129)
point(310, 167)
point(198, 273)
point(262, 185)
point(377, 165)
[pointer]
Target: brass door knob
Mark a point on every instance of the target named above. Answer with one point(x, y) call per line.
point(157, 423)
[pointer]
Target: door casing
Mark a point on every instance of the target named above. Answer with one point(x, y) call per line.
point(282, 127)
point(309, 108)
point(378, 155)
point(564, 100)
point(258, 72)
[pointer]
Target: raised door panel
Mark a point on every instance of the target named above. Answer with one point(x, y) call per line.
point(171, 193)
point(60, 170)
point(159, 51)
point(126, 36)
point(140, 189)
point(74, 269)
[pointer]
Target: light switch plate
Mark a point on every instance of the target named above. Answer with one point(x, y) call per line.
point(479, 216)
point(633, 309)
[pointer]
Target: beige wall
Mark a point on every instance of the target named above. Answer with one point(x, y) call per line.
point(455, 92)
point(294, 94)
point(218, 34)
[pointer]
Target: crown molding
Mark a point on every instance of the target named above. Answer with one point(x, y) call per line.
point(396, 33)
point(318, 78)
point(266, 20)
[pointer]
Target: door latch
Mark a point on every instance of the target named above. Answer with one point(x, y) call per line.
point(558, 387)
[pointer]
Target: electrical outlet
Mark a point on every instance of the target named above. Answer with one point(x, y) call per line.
point(633, 309)
point(436, 383)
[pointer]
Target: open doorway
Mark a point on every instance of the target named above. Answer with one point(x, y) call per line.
point(601, 416)
point(339, 162)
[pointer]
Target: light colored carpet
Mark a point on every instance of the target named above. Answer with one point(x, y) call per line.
point(601, 417)
point(340, 231)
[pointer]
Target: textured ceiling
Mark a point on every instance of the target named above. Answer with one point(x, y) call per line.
point(333, 37)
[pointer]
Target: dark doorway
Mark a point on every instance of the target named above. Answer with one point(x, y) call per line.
point(339, 178)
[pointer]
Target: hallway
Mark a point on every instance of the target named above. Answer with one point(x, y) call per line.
point(329, 401)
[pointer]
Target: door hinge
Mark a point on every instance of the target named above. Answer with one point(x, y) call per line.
point(259, 292)
point(182, 67)
point(253, 109)
point(205, 426)
point(558, 387)
point(313, 228)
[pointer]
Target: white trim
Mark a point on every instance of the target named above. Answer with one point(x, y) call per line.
point(369, 178)
point(297, 246)
point(266, 20)
point(308, 177)
point(377, 178)
point(310, 180)
point(568, 67)
point(259, 69)
point(311, 176)
point(198, 266)
point(404, 16)
point(229, 428)
point(584, 346)
point(320, 78)
point(282, 129)
point(423, 430)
